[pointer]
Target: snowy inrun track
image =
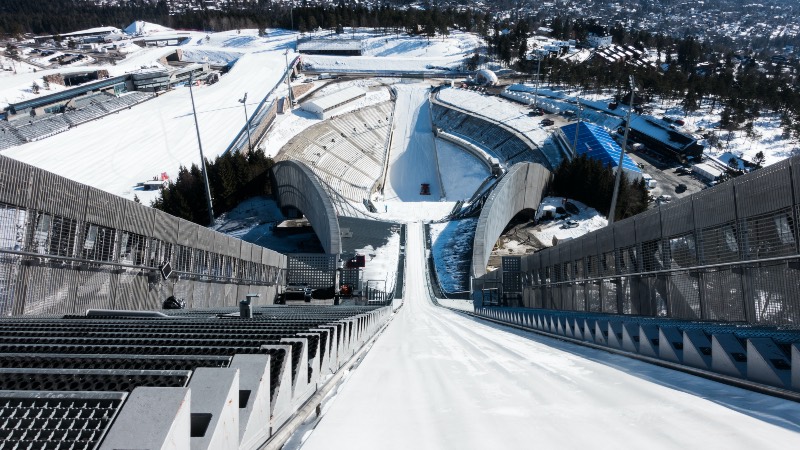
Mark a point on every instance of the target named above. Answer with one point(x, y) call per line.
point(437, 379)
point(412, 158)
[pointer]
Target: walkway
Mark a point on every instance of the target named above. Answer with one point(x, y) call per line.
point(437, 379)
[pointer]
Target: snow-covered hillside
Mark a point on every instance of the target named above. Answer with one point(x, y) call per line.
point(118, 151)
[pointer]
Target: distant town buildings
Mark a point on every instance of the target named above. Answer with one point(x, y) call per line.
point(596, 41)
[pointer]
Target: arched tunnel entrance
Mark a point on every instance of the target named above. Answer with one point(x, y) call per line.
point(298, 190)
point(520, 191)
point(514, 240)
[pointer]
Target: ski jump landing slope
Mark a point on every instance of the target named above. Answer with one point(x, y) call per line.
point(437, 379)
point(412, 155)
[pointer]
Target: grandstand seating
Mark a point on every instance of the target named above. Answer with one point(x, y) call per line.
point(65, 382)
point(347, 152)
point(81, 111)
point(497, 141)
point(82, 102)
point(9, 136)
point(43, 128)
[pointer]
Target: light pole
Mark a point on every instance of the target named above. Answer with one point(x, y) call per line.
point(202, 158)
point(621, 154)
point(243, 101)
point(288, 78)
point(577, 127)
point(538, 74)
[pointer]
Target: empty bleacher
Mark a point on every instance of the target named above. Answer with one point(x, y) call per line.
point(347, 152)
point(79, 111)
point(85, 114)
point(498, 142)
point(65, 382)
point(9, 136)
point(42, 128)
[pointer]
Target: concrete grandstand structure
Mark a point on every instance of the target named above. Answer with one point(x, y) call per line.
point(522, 188)
point(56, 102)
point(347, 152)
point(507, 134)
point(298, 187)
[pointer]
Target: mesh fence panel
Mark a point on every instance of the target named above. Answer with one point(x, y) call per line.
point(722, 296)
point(769, 235)
point(651, 256)
point(580, 297)
point(537, 298)
point(682, 251)
point(607, 264)
point(48, 291)
point(626, 295)
point(626, 259)
point(556, 297)
point(567, 297)
point(775, 294)
point(719, 244)
point(593, 303)
point(729, 253)
point(609, 289)
point(684, 293)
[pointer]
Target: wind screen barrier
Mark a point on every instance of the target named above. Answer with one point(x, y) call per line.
point(66, 247)
point(727, 253)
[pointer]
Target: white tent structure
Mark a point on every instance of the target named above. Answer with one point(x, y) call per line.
point(142, 28)
point(327, 106)
point(486, 77)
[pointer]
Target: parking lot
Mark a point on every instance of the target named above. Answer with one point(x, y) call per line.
point(663, 172)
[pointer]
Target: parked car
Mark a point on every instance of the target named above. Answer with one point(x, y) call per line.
point(547, 122)
point(570, 223)
point(680, 188)
point(297, 292)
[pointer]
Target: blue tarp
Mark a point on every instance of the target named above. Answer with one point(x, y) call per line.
point(596, 143)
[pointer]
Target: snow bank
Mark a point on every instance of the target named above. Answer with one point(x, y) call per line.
point(452, 252)
point(588, 220)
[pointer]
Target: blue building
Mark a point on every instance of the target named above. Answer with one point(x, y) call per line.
point(595, 142)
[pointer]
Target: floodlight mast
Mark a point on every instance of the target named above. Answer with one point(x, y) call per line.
point(288, 80)
point(243, 101)
point(621, 155)
point(202, 158)
point(577, 127)
point(538, 74)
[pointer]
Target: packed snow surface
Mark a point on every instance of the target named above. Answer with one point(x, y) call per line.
point(462, 173)
point(436, 379)
point(412, 156)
